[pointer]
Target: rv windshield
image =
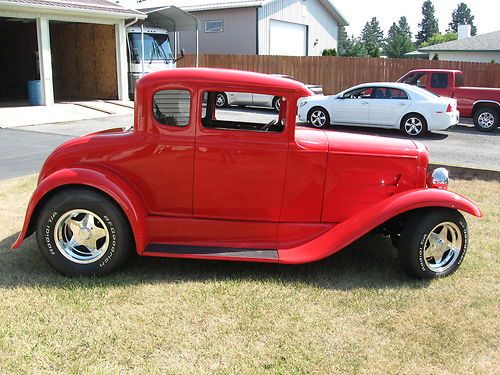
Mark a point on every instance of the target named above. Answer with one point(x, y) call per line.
point(156, 47)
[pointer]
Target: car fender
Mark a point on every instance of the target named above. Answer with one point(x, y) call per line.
point(98, 178)
point(357, 226)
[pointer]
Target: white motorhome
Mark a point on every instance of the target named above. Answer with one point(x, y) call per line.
point(149, 50)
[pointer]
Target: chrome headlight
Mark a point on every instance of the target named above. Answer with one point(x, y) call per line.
point(438, 178)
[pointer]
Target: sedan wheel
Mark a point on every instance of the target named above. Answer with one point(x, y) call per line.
point(413, 125)
point(318, 117)
point(221, 100)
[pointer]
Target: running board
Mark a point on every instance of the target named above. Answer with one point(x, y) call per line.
point(212, 251)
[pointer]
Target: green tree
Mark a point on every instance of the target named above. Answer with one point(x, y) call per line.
point(372, 36)
point(329, 52)
point(429, 25)
point(398, 40)
point(440, 38)
point(354, 48)
point(341, 44)
point(462, 16)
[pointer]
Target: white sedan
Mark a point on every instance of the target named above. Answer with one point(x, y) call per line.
point(383, 105)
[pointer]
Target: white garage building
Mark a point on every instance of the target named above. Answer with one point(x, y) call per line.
point(263, 27)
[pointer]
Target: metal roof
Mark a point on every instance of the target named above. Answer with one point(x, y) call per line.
point(200, 5)
point(87, 6)
point(171, 18)
point(485, 42)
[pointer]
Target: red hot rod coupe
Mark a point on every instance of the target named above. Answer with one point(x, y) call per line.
point(192, 180)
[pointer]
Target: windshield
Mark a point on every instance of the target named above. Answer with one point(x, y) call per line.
point(156, 47)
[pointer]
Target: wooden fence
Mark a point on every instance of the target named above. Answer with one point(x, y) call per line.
point(338, 73)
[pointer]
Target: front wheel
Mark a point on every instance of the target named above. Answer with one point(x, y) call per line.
point(277, 103)
point(486, 119)
point(80, 232)
point(318, 117)
point(433, 243)
point(413, 125)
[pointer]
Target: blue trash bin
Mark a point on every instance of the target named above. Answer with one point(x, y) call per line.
point(35, 92)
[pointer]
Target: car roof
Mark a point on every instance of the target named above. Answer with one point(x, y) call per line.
point(228, 77)
point(395, 85)
point(424, 70)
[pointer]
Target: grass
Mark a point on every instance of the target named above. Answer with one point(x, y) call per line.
point(354, 313)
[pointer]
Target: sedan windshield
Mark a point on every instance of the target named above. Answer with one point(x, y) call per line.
point(156, 47)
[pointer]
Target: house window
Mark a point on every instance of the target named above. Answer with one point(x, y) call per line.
point(215, 26)
point(172, 107)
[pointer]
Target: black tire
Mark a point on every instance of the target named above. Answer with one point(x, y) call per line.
point(413, 125)
point(318, 117)
point(486, 119)
point(221, 100)
point(71, 254)
point(276, 103)
point(417, 255)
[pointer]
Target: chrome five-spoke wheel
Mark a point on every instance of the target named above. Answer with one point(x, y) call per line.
point(442, 246)
point(486, 120)
point(433, 243)
point(81, 236)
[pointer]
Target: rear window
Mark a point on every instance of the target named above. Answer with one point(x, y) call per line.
point(172, 107)
point(439, 80)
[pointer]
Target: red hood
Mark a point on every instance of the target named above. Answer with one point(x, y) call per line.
point(348, 143)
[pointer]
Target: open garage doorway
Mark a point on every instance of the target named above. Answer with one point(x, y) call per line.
point(83, 61)
point(18, 61)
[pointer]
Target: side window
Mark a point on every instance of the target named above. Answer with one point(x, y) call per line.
point(439, 80)
point(172, 107)
point(397, 94)
point(417, 79)
point(242, 111)
point(214, 26)
point(361, 93)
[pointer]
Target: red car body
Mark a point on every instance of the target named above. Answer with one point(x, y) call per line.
point(293, 196)
point(449, 83)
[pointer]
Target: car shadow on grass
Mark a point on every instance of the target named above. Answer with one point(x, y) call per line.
point(369, 263)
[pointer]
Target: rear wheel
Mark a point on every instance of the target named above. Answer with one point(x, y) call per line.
point(221, 100)
point(433, 243)
point(486, 119)
point(413, 125)
point(81, 232)
point(318, 117)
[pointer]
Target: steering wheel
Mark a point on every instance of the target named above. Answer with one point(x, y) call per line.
point(266, 127)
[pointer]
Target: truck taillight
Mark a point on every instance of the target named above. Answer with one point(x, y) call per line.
point(449, 108)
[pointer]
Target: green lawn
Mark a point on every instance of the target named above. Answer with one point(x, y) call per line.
point(353, 313)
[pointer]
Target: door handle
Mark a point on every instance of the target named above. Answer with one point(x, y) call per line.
point(364, 102)
point(400, 103)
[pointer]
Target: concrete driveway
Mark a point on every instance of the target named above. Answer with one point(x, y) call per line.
point(25, 148)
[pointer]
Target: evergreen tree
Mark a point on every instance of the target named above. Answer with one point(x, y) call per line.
point(462, 16)
point(372, 36)
point(429, 25)
point(341, 45)
point(398, 40)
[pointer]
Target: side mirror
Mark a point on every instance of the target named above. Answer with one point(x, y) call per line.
point(182, 55)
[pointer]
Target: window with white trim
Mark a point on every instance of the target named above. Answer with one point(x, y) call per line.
point(214, 26)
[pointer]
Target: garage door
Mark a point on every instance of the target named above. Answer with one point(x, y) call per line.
point(288, 39)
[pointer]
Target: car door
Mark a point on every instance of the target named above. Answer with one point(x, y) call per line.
point(262, 100)
point(353, 107)
point(239, 172)
point(387, 106)
point(239, 98)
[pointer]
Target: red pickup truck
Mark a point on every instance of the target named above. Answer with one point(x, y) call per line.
point(480, 103)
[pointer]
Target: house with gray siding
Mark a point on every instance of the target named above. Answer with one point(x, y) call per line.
point(265, 27)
